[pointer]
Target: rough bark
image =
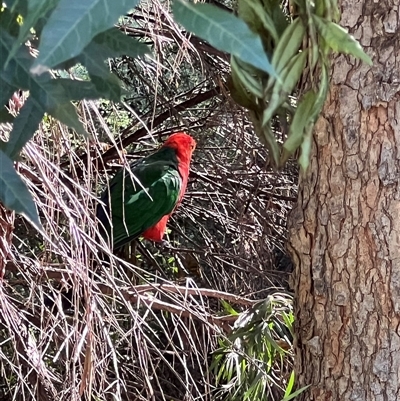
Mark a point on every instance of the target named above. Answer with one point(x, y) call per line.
point(345, 229)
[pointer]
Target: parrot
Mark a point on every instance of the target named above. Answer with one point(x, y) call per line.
point(139, 202)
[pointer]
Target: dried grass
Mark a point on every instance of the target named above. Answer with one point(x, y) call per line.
point(144, 327)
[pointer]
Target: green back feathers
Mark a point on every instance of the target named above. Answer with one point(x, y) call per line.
point(136, 201)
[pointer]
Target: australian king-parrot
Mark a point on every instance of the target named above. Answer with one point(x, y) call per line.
point(139, 202)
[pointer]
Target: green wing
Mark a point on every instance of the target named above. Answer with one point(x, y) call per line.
point(136, 201)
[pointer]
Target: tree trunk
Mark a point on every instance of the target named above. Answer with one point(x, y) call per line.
point(344, 233)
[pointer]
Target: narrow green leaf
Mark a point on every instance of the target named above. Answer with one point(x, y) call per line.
point(228, 308)
point(254, 14)
point(13, 192)
point(224, 31)
point(295, 394)
point(289, 78)
point(24, 127)
point(322, 93)
point(339, 40)
point(301, 119)
point(73, 25)
point(306, 145)
point(288, 45)
point(239, 93)
point(290, 385)
point(245, 77)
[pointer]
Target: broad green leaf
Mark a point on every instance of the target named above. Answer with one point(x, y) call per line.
point(5, 116)
point(49, 93)
point(339, 40)
point(8, 22)
point(36, 10)
point(115, 43)
point(13, 192)
point(25, 125)
point(108, 86)
point(111, 43)
point(68, 89)
point(17, 74)
point(67, 114)
point(224, 31)
point(72, 26)
point(6, 91)
point(18, 6)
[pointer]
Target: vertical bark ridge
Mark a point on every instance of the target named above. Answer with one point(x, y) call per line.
point(344, 233)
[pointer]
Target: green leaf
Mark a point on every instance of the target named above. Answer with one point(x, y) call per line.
point(288, 45)
point(112, 43)
point(6, 90)
point(6, 116)
point(19, 6)
point(68, 89)
point(247, 79)
point(36, 10)
point(254, 14)
point(295, 394)
point(289, 77)
point(109, 86)
point(16, 74)
point(8, 22)
point(339, 40)
point(224, 31)
point(24, 127)
point(115, 43)
point(228, 308)
point(67, 114)
point(301, 120)
point(73, 25)
point(306, 145)
point(52, 95)
point(290, 385)
point(13, 192)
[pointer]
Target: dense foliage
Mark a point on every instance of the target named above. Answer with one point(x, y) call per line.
point(201, 319)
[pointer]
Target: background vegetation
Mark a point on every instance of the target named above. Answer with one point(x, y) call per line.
point(179, 323)
point(203, 319)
